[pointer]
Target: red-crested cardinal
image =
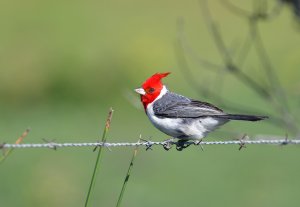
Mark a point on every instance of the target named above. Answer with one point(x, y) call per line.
point(181, 117)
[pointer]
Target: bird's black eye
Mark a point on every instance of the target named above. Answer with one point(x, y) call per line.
point(151, 90)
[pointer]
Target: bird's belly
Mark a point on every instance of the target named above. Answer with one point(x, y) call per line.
point(167, 125)
point(186, 128)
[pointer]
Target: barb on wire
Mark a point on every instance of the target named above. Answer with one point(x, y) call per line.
point(50, 143)
point(242, 141)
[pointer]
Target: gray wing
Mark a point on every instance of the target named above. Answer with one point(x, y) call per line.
point(175, 106)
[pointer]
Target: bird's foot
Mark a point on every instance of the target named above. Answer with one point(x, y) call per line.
point(182, 144)
point(168, 144)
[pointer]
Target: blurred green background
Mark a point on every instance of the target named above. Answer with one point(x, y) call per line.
point(64, 63)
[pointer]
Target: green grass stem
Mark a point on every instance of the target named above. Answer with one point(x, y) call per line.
point(127, 177)
point(97, 165)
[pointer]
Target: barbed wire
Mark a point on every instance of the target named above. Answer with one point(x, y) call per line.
point(149, 144)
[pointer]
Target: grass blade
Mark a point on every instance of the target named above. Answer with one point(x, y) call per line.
point(127, 177)
point(9, 151)
point(96, 168)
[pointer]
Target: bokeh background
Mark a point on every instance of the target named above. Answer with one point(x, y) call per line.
point(64, 63)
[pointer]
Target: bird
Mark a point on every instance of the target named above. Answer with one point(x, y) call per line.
point(181, 117)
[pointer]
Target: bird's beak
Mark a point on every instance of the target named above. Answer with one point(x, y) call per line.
point(140, 91)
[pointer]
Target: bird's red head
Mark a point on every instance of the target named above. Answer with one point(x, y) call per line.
point(151, 88)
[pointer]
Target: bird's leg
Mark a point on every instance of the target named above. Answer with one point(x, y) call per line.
point(168, 144)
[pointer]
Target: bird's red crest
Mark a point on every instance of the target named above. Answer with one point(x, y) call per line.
point(154, 79)
point(152, 87)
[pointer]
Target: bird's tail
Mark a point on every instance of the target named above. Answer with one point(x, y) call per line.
point(243, 117)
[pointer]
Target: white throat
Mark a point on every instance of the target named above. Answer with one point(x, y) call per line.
point(163, 91)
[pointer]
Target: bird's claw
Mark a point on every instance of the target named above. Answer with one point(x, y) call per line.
point(182, 144)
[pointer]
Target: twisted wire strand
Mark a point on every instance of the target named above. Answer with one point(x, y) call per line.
point(147, 143)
